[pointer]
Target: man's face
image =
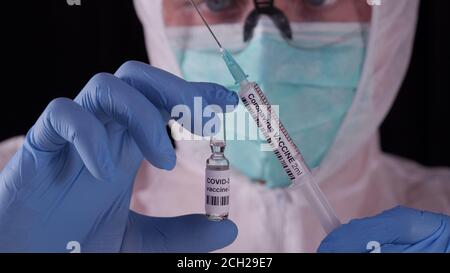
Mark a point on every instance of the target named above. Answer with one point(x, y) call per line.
point(181, 12)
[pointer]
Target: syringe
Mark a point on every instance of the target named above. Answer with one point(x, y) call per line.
point(277, 136)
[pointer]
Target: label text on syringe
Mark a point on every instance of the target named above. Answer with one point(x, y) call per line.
point(273, 130)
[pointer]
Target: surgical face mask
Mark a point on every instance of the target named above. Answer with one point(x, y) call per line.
point(312, 79)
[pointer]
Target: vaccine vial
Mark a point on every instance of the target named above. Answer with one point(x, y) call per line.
point(217, 182)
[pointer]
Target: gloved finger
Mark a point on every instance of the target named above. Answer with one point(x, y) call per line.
point(109, 98)
point(432, 234)
point(172, 94)
point(65, 121)
point(188, 233)
point(398, 226)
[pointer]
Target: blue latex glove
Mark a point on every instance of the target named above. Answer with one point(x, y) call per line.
point(397, 230)
point(72, 180)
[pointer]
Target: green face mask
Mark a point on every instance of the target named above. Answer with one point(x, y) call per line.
point(312, 79)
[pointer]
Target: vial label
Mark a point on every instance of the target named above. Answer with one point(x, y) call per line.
point(217, 192)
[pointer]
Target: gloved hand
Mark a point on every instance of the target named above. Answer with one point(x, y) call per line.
point(72, 180)
point(397, 230)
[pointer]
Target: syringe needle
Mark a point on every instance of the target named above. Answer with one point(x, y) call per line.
point(206, 23)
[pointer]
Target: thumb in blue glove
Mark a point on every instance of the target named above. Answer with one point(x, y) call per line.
point(188, 233)
point(399, 229)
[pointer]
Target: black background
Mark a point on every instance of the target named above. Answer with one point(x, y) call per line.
point(51, 49)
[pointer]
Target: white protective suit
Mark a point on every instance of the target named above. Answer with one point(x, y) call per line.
point(355, 175)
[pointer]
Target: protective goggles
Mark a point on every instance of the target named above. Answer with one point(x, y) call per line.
point(280, 12)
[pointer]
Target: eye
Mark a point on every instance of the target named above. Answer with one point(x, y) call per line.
point(319, 3)
point(219, 5)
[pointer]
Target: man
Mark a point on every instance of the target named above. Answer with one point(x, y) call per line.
point(334, 82)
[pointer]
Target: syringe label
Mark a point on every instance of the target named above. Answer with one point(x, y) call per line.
point(273, 131)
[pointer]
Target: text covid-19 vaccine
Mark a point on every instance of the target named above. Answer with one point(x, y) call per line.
point(217, 182)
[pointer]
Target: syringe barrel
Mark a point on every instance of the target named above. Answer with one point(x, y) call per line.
point(287, 152)
point(273, 131)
